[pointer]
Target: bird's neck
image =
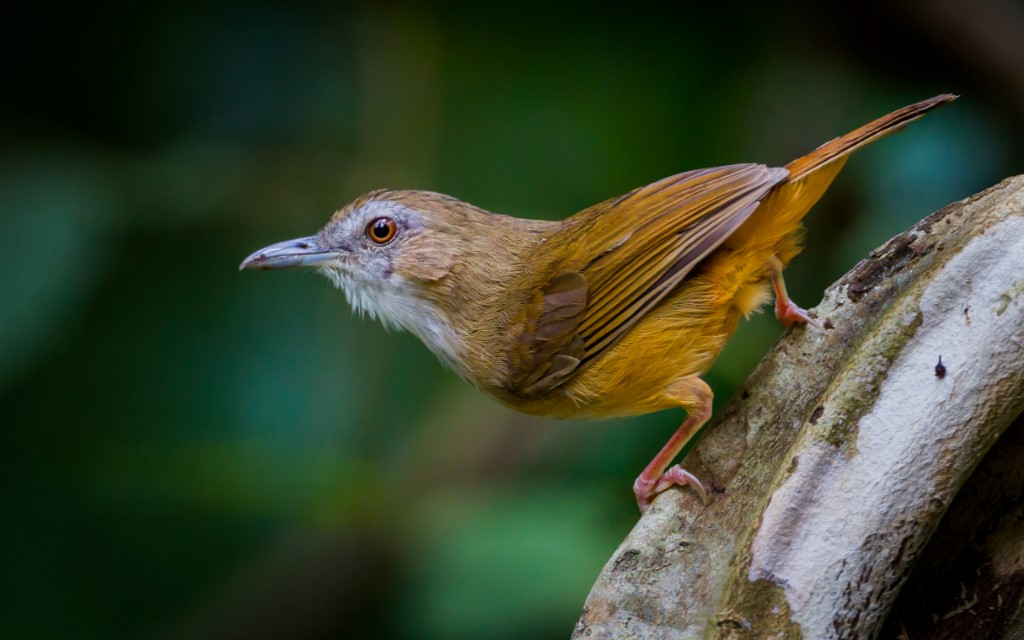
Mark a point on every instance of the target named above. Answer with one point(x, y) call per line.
point(464, 317)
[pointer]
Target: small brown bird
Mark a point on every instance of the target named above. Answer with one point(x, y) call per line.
point(615, 311)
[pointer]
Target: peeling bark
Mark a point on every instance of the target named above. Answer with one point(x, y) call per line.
point(834, 466)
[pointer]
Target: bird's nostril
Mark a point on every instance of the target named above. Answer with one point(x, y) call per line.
point(304, 245)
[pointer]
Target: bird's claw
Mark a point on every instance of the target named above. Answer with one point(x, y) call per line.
point(646, 490)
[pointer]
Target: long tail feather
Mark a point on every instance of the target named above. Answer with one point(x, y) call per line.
point(774, 229)
point(845, 145)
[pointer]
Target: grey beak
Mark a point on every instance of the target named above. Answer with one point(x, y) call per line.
point(301, 252)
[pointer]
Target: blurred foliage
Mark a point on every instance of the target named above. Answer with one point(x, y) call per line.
point(193, 452)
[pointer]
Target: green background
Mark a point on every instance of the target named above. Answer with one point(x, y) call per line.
point(192, 452)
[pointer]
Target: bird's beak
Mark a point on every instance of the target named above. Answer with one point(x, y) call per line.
point(301, 252)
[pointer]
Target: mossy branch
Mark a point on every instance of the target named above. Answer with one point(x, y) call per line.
point(835, 464)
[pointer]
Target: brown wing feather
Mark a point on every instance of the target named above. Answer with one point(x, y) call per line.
point(544, 344)
point(635, 250)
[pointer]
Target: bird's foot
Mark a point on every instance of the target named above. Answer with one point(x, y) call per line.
point(789, 314)
point(786, 310)
point(647, 489)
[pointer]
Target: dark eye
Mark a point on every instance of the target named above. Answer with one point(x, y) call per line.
point(382, 230)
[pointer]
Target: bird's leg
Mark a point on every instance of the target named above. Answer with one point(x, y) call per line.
point(695, 396)
point(785, 309)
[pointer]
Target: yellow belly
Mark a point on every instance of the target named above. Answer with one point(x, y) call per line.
point(682, 337)
point(686, 333)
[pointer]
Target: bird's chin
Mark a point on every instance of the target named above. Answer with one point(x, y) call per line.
point(357, 293)
point(338, 276)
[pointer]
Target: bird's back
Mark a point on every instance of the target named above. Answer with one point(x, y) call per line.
point(661, 277)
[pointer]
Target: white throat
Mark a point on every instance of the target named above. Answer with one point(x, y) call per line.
point(398, 307)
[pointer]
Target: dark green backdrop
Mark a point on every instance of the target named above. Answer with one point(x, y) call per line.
point(189, 451)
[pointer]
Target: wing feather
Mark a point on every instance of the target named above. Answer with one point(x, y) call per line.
point(635, 250)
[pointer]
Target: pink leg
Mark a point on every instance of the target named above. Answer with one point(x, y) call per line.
point(786, 310)
point(695, 395)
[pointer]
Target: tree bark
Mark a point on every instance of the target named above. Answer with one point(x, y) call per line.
point(834, 466)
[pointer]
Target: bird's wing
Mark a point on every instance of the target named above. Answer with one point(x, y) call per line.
point(634, 251)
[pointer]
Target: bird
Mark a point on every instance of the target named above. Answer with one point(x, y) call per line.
point(615, 311)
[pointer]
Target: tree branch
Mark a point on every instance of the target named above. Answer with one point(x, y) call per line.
point(836, 462)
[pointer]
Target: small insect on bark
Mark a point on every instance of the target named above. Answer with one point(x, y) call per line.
point(940, 369)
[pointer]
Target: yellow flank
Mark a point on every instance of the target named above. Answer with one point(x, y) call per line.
point(686, 333)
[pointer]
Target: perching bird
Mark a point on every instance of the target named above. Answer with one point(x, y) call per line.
point(615, 311)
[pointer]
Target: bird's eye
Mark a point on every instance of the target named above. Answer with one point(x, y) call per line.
point(382, 230)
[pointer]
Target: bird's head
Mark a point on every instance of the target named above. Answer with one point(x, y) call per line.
point(387, 250)
point(421, 261)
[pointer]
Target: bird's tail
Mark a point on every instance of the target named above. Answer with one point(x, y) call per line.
point(775, 227)
point(843, 146)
